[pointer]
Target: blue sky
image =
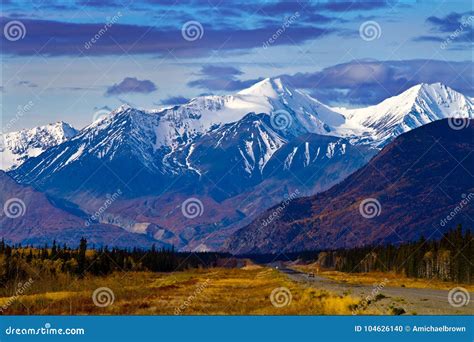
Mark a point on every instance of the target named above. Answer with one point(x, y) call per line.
point(69, 59)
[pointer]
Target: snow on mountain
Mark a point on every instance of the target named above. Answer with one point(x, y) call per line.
point(265, 137)
point(16, 147)
point(155, 138)
point(235, 154)
point(267, 96)
point(417, 106)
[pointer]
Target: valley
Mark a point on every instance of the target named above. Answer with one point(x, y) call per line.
point(206, 292)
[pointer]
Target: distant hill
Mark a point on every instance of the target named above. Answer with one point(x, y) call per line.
point(28, 217)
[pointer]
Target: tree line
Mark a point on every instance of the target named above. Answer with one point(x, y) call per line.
point(450, 258)
point(18, 262)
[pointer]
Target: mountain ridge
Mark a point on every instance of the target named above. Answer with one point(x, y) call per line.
point(216, 149)
point(16, 147)
point(403, 196)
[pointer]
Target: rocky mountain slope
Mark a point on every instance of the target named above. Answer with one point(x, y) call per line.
point(30, 217)
point(419, 185)
point(17, 147)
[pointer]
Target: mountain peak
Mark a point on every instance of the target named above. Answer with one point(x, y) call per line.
point(423, 89)
point(415, 107)
point(21, 145)
point(268, 87)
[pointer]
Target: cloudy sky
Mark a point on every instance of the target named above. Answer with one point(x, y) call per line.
point(66, 60)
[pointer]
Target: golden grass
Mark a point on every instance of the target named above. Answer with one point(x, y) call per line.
point(200, 291)
point(394, 279)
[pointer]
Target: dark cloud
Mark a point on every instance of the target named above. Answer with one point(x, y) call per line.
point(221, 78)
point(360, 82)
point(101, 3)
point(131, 85)
point(103, 108)
point(347, 6)
point(219, 71)
point(428, 38)
point(216, 84)
point(276, 11)
point(174, 100)
point(449, 23)
point(28, 84)
point(54, 38)
point(369, 82)
point(453, 30)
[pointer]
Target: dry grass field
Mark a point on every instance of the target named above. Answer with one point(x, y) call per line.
point(195, 292)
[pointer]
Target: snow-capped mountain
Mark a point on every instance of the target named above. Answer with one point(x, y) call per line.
point(239, 154)
point(304, 113)
point(16, 147)
point(152, 134)
point(417, 106)
point(154, 142)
